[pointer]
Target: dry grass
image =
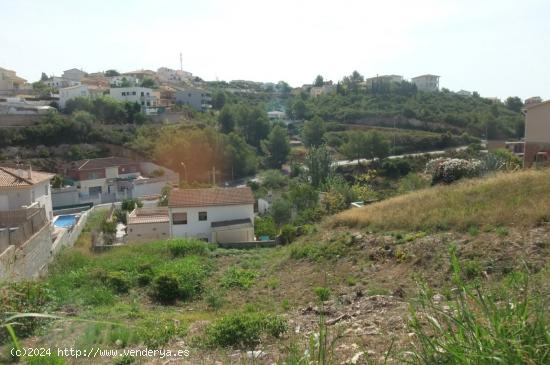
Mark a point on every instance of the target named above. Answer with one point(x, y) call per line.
point(520, 199)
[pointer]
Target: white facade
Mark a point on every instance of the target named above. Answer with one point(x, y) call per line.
point(14, 198)
point(118, 81)
point(56, 82)
point(426, 82)
point(202, 229)
point(166, 74)
point(144, 96)
point(69, 93)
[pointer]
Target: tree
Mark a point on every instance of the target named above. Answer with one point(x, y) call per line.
point(277, 147)
point(241, 156)
point(514, 103)
point(57, 182)
point(366, 145)
point(148, 82)
point(319, 164)
point(218, 100)
point(111, 73)
point(281, 211)
point(303, 195)
point(226, 119)
point(299, 109)
point(253, 124)
point(313, 132)
point(283, 87)
point(319, 81)
point(43, 77)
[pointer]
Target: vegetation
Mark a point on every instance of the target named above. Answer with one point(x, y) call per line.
point(518, 199)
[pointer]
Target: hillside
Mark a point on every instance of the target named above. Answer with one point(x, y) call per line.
point(358, 274)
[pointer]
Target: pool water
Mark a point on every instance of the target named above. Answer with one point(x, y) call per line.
point(65, 221)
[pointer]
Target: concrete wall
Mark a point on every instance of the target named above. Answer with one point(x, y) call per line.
point(153, 187)
point(30, 259)
point(245, 234)
point(147, 232)
point(537, 124)
point(64, 196)
point(203, 229)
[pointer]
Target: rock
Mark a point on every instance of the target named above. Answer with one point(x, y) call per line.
point(438, 298)
point(255, 354)
point(297, 329)
point(355, 359)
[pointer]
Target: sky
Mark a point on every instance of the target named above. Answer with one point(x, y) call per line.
point(498, 48)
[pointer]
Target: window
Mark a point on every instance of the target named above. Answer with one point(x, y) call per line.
point(142, 94)
point(133, 93)
point(179, 218)
point(46, 188)
point(203, 216)
point(123, 93)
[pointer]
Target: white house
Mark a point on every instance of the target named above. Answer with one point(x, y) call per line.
point(72, 92)
point(121, 80)
point(382, 79)
point(74, 74)
point(56, 82)
point(169, 75)
point(197, 98)
point(144, 96)
point(20, 188)
point(224, 215)
point(426, 82)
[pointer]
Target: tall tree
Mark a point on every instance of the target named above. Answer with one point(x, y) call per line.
point(43, 77)
point(299, 109)
point(276, 147)
point(313, 132)
point(218, 100)
point(368, 145)
point(319, 165)
point(111, 73)
point(226, 119)
point(319, 81)
point(514, 103)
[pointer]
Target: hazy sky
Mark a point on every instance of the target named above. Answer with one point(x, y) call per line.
point(498, 48)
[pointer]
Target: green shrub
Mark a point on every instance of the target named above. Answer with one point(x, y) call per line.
point(236, 277)
point(158, 332)
point(318, 251)
point(53, 359)
point(322, 293)
point(288, 234)
point(244, 329)
point(215, 300)
point(118, 281)
point(125, 360)
point(265, 226)
point(166, 288)
point(179, 248)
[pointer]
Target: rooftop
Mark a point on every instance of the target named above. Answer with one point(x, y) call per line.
point(210, 197)
point(11, 177)
point(101, 163)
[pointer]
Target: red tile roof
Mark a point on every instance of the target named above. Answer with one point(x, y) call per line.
point(210, 197)
point(9, 177)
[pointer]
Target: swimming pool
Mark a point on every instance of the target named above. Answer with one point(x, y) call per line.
point(65, 221)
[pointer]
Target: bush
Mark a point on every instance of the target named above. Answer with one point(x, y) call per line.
point(157, 332)
point(236, 277)
point(129, 205)
point(280, 211)
point(215, 300)
point(322, 293)
point(448, 170)
point(396, 168)
point(244, 329)
point(166, 288)
point(265, 226)
point(288, 234)
point(179, 248)
point(118, 281)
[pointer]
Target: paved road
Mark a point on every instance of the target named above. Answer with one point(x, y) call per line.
point(364, 160)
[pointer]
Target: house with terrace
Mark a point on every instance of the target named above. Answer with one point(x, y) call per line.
point(110, 179)
point(222, 215)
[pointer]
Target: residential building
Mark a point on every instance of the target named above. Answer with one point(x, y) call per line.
point(276, 115)
point(147, 224)
point(122, 81)
point(426, 82)
point(537, 133)
point(382, 79)
point(326, 88)
point(464, 93)
point(140, 75)
point(21, 188)
point(19, 106)
point(74, 74)
point(56, 82)
point(109, 179)
point(197, 98)
point(144, 96)
point(223, 215)
point(9, 81)
point(533, 100)
point(166, 74)
point(72, 92)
